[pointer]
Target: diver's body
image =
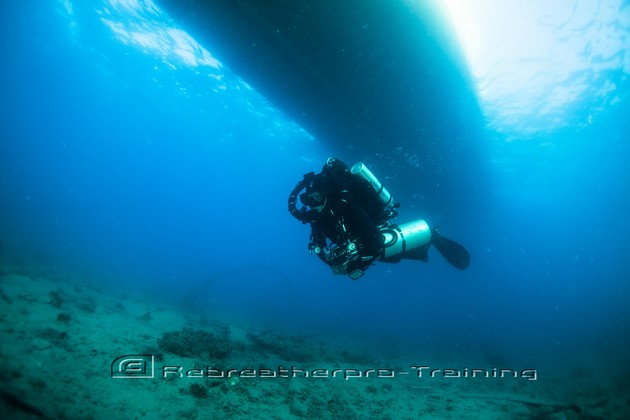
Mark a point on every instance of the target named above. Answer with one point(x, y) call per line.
point(339, 204)
point(349, 212)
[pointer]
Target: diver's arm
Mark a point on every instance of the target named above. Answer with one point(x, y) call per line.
point(318, 243)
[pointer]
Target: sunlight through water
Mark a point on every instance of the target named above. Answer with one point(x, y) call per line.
point(544, 65)
point(143, 26)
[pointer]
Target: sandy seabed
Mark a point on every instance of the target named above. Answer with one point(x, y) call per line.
point(72, 349)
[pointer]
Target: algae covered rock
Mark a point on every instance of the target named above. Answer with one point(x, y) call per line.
point(195, 343)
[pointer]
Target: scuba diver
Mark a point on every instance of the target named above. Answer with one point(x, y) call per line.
point(350, 214)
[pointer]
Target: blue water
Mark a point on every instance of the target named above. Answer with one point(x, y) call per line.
point(147, 172)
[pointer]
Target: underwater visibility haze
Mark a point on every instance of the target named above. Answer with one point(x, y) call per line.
point(145, 165)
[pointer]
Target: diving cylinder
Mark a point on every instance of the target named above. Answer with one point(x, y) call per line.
point(407, 237)
point(362, 171)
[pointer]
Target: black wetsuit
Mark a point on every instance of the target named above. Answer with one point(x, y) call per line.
point(349, 223)
point(351, 213)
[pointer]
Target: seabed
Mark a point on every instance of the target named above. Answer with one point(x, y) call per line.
point(72, 348)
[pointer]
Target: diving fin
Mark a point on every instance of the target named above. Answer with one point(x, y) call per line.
point(453, 252)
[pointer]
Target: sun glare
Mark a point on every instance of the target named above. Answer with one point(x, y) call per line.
point(543, 65)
